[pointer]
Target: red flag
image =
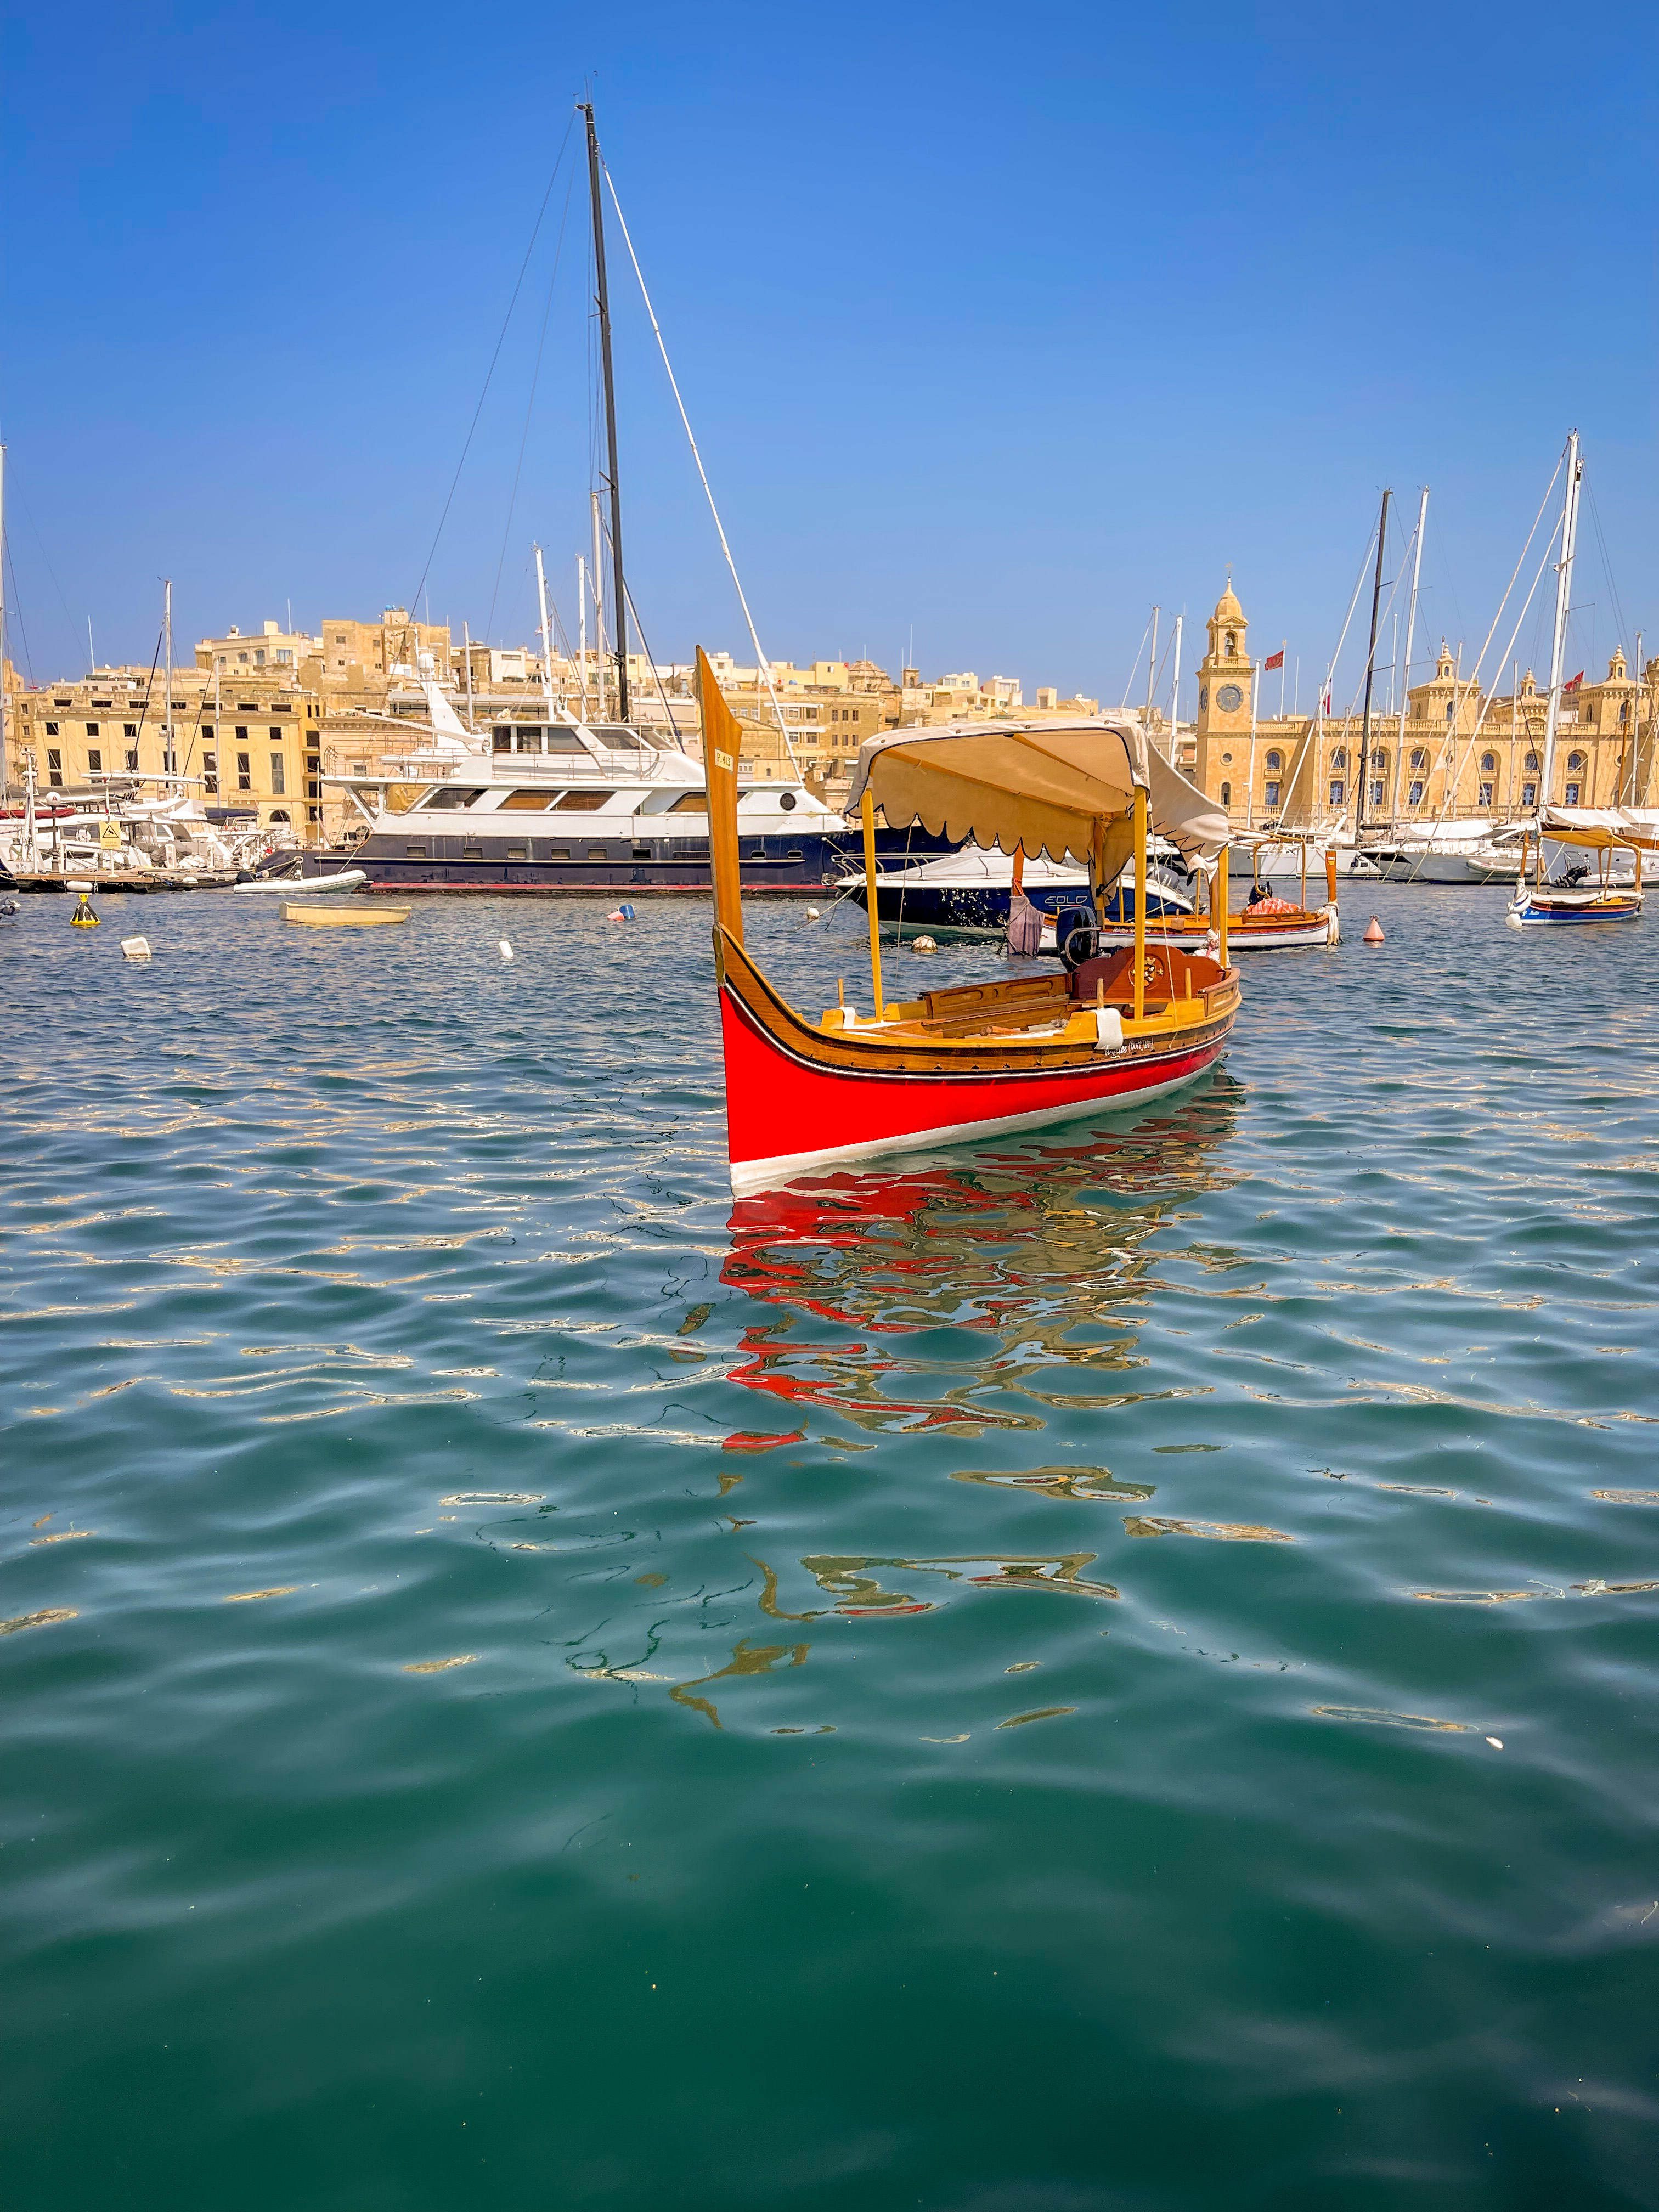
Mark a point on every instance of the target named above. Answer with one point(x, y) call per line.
point(1278, 661)
point(1328, 703)
point(1573, 682)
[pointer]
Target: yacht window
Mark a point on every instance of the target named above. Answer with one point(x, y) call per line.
point(518, 852)
point(446, 798)
point(558, 852)
point(641, 852)
point(526, 802)
point(500, 740)
point(415, 852)
point(530, 740)
point(598, 853)
point(573, 802)
point(786, 800)
point(472, 851)
point(690, 802)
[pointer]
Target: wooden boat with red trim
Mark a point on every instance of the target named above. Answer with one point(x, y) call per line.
point(981, 1059)
point(1264, 924)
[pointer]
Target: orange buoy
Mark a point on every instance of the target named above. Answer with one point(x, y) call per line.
point(1373, 933)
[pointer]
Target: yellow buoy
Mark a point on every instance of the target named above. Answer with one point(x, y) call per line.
point(83, 917)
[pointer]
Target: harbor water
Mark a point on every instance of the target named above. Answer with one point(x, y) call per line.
point(1111, 1669)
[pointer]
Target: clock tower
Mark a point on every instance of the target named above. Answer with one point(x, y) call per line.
point(1224, 678)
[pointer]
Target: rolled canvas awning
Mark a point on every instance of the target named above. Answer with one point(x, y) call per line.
point(1043, 786)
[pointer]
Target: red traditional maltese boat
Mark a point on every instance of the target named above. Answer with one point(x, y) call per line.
point(980, 1059)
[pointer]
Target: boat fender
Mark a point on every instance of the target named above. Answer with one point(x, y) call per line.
point(1512, 920)
point(135, 948)
point(923, 945)
point(1108, 1029)
point(624, 913)
point(812, 914)
point(1333, 927)
point(507, 950)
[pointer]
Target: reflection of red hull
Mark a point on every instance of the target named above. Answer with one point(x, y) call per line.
point(793, 1106)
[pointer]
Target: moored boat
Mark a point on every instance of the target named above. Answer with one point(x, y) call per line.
point(980, 1059)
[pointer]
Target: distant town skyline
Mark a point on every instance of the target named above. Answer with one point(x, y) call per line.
point(994, 330)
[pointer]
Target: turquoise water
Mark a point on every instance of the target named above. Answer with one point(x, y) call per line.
point(529, 1684)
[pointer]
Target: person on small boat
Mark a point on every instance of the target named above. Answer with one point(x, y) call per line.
point(1261, 900)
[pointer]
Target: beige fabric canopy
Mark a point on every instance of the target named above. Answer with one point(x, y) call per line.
point(1042, 786)
point(1598, 827)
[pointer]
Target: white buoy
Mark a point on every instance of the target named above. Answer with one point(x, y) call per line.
point(812, 914)
point(1496, 1741)
point(507, 950)
point(135, 948)
point(923, 945)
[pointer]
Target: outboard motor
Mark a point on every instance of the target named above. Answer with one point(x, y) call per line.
point(1076, 936)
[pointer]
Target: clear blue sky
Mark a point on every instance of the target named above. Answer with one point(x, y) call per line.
point(995, 323)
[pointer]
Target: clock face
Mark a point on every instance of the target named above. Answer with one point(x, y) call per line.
point(1230, 698)
point(1203, 696)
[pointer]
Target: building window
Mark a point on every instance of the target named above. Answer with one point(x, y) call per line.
point(132, 760)
point(1379, 758)
point(1529, 794)
point(1531, 761)
point(129, 729)
point(92, 729)
point(1488, 762)
point(95, 761)
point(54, 765)
point(1575, 760)
point(1419, 758)
point(1376, 794)
point(1274, 763)
point(241, 733)
point(1340, 758)
point(210, 770)
point(1414, 797)
point(1624, 712)
point(1226, 794)
point(1270, 794)
point(1572, 795)
point(1483, 796)
point(244, 772)
point(52, 729)
point(1337, 789)
point(278, 787)
point(275, 733)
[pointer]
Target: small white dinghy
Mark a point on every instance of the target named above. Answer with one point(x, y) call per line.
point(305, 886)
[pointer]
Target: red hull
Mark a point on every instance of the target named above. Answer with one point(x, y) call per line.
point(775, 1097)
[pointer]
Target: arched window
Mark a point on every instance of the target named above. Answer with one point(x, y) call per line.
point(1419, 761)
point(1488, 762)
point(1340, 758)
point(1531, 761)
point(1379, 757)
point(1232, 645)
point(1575, 760)
point(1274, 763)
point(1624, 711)
point(1451, 708)
point(279, 814)
point(1226, 794)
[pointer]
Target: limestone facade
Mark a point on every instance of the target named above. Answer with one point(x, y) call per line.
point(1460, 754)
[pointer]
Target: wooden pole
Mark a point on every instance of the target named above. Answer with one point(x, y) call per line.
point(867, 813)
point(1140, 901)
point(722, 744)
point(1220, 883)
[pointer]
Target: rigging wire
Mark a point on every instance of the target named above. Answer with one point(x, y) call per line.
point(14, 486)
point(500, 341)
point(1134, 669)
point(765, 665)
point(1607, 566)
point(530, 403)
point(15, 606)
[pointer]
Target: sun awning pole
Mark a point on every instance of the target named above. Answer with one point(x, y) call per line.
point(1140, 901)
point(1218, 882)
point(867, 812)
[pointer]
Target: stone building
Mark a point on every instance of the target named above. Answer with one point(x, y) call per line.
point(247, 747)
point(1459, 754)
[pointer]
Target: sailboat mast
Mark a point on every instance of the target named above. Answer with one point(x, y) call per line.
point(168, 759)
point(4, 784)
point(1152, 669)
point(596, 573)
point(1371, 669)
point(619, 620)
point(547, 641)
point(1174, 692)
point(582, 630)
point(1559, 642)
point(1405, 671)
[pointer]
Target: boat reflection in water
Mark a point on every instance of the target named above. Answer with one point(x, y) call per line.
point(969, 1299)
point(1029, 1244)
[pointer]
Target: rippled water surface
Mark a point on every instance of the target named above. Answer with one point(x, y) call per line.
point(524, 1682)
